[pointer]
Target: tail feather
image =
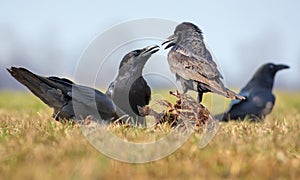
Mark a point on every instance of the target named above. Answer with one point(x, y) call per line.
point(42, 87)
point(220, 89)
point(233, 95)
point(57, 93)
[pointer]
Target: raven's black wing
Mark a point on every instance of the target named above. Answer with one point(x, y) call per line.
point(258, 104)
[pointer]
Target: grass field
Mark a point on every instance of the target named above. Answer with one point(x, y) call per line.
point(34, 146)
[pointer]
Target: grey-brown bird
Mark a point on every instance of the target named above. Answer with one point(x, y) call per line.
point(193, 64)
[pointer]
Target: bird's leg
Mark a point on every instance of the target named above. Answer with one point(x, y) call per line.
point(55, 115)
point(140, 121)
point(200, 95)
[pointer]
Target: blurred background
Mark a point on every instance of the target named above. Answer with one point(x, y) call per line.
point(48, 37)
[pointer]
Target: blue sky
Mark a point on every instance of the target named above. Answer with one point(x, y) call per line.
point(241, 34)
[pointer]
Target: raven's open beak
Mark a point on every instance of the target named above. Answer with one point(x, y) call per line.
point(149, 50)
point(171, 40)
point(281, 66)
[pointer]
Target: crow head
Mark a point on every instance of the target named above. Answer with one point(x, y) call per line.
point(264, 76)
point(183, 31)
point(137, 59)
point(270, 69)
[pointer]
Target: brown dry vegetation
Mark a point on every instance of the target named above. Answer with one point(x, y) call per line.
point(34, 146)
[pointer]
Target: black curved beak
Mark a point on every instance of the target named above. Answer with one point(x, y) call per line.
point(149, 50)
point(171, 40)
point(281, 66)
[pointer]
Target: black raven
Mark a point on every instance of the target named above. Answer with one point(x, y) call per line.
point(193, 64)
point(130, 90)
point(69, 100)
point(259, 97)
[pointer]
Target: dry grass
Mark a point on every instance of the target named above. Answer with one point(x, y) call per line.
point(34, 146)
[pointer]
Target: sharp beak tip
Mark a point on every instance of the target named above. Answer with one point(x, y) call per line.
point(154, 50)
point(169, 45)
point(151, 50)
point(169, 40)
point(283, 66)
point(166, 41)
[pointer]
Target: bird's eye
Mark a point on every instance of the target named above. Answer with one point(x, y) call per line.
point(136, 52)
point(271, 66)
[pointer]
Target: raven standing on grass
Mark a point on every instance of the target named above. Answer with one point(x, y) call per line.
point(259, 97)
point(69, 100)
point(193, 64)
point(129, 89)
